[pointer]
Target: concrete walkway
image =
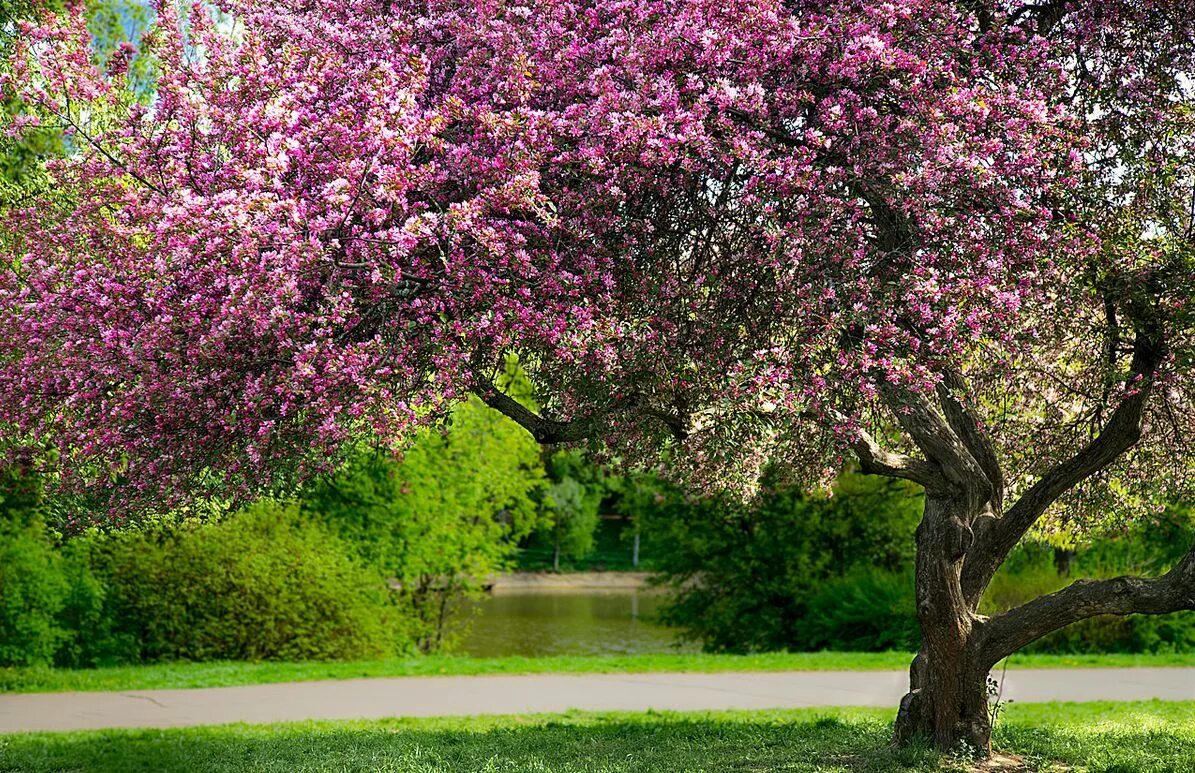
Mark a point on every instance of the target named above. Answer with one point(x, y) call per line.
point(463, 695)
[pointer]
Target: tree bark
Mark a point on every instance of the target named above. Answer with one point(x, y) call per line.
point(947, 700)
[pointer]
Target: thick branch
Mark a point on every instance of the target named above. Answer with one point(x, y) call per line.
point(544, 430)
point(874, 460)
point(1012, 630)
point(963, 419)
point(941, 446)
point(995, 537)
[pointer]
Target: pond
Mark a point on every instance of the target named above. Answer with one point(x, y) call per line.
point(567, 622)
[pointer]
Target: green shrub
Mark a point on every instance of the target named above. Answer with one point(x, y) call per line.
point(32, 590)
point(32, 586)
point(742, 578)
point(262, 585)
point(92, 637)
point(868, 610)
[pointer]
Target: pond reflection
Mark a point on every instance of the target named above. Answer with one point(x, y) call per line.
point(567, 622)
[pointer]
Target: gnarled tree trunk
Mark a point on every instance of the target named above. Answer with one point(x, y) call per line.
point(947, 699)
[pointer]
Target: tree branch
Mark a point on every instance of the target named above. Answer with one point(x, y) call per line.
point(1008, 632)
point(995, 537)
point(874, 460)
point(544, 430)
point(963, 419)
point(931, 433)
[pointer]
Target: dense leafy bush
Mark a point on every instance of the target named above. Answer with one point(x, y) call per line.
point(868, 610)
point(92, 635)
point(742, 578)
point(263, 585)
point(32, 587)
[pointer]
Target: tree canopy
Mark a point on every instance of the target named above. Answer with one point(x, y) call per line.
point(704, 221)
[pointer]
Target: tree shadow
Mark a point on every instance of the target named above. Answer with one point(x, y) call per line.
point(581, 742)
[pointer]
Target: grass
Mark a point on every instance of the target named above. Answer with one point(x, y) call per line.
point(1080, 738)
point(227, 674)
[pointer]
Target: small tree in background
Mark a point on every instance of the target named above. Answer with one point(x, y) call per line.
point(572, 520)
point(442, 520)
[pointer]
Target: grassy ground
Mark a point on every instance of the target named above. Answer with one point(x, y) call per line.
point(179, 675)
point(1079, 738)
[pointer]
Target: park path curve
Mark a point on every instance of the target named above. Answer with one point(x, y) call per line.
point(465, 695)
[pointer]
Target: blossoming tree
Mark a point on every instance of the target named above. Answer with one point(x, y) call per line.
point(949, 239)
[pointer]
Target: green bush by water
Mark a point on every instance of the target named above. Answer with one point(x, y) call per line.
point(261, 585)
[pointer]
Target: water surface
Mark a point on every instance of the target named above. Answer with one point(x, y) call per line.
point(567, 622)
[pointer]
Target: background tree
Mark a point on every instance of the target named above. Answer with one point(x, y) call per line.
point(572, 520)
point(741, 577)
point(444, 519)
point(951, 238)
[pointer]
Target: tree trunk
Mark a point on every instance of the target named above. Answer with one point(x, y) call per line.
point(947, 699)
point(556, 557)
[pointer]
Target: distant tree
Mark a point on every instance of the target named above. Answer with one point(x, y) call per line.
point(572, 520)
point(444, 518)
point(741, 576)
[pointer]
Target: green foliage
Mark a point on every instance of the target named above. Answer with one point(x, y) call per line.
point(574, 519)
point(32, 587)
point(91, 638)
point(263, 585)
point(444, 518)
point(1147, 548)
point(743, 577)
point(868, 610)
point(572, 535)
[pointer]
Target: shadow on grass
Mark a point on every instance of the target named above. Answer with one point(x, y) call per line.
point(852, 740)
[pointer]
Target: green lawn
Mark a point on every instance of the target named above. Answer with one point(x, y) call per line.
point(176, 675)
point(1100, 738)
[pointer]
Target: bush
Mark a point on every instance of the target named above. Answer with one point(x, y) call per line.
point(32, 587)
point(742, 578)
point(92, 637)
point(263, 585)
point(868, 610)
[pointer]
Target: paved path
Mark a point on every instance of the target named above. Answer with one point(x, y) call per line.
point(462, 695)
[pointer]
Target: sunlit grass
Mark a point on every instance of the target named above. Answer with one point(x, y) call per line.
point(1149, 737)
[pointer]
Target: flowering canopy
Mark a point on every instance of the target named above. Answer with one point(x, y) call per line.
point(702, 221)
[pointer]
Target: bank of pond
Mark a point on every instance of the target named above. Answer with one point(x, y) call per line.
point(268, 585)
